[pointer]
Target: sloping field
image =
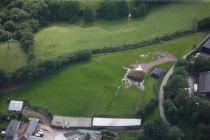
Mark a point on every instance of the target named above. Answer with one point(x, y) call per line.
point(11, 58)
point(59, 39)
point(89, 88)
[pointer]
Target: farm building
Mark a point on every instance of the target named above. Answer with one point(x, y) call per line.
point(15, 106)
point(116, 123)
point(204, 80)
point(80, 135)
point(12, 132)
point(157, 73)
point(71, 122)
point(30, 129)
point(206, 46)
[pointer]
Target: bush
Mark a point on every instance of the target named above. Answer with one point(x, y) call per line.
point(3, 35)
point(9, 26)
point(88, 15)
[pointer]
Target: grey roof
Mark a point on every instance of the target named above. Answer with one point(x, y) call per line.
point(207, 44)
point(31, 128)
point(36, 138)
point(204, 82)
point(15, 105)
point(69, 122)
point(13, 128)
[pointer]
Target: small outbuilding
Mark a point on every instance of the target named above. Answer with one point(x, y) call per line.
point(206, 47)
point(15, 106)
point(204, 83)
point(12, 131)
point(157, 73)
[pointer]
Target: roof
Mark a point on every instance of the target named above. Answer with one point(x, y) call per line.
point(157, 72)
point(15, 105)
point(37, 138)
point(207, 44)
point(68, 122)
point(80, 134)
point(136, 75)
point(12, 129)
point(110, 122)
point(204, 80)
point(31, 127)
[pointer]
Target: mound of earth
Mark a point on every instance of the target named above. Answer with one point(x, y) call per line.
point(136, 75)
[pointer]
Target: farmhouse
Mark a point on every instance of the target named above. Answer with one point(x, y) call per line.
point(12, 132)
point(206, 46)
point(204, 81)
point(80, 135)
point(71, 122)
point(15, 106)
point(116, 123)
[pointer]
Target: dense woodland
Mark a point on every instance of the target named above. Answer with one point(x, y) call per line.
point(180, 107)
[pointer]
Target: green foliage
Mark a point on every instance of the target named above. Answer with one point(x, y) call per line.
point(159, 130)
point(88, 15)
point(9, 26)
point(112, 9)
point(203, 24)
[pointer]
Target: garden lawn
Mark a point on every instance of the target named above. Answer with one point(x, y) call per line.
point(89, 88)
point(12, 58)
point(59, 39)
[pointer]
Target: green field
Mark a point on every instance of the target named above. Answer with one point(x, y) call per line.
point(59, 39)
point(11, 58)
point(89, 88)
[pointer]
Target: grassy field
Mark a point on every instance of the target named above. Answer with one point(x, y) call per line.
point(89, 88)
point(12, 58)
point(59, 39)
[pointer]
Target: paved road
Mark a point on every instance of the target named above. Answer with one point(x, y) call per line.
point(167, 76)
point(161, 94)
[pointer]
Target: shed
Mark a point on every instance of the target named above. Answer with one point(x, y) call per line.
point(157, 73)
point(204, 82)
point(12, 131)
point(71, 122)
point(206, 47)
point(15, 105)
point(116, 122)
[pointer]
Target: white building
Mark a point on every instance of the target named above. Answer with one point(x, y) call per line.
point(15, 106)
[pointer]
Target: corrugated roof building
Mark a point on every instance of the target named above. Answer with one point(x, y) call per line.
point(204, 83)
point(12, 131)
point(71, 122)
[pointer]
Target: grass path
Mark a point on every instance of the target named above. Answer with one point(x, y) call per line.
point(88, 88)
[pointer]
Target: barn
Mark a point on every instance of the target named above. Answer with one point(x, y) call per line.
point(71, 122)
point(116, 123)
point(157, 73)
point(15, 106)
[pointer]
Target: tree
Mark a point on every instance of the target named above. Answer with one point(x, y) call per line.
point(3, 35)
point(171, 110)
point(9, 26)
point(3, 77)
point(17, 14)
point(139, 11)
point(122, 7)
point(107, 10)
point(27, 41)
point(88, 15)
point(174, 133)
